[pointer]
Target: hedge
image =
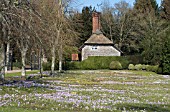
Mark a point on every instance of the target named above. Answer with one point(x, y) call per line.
point(135, 59)
point(47, 66)
point(98, 62)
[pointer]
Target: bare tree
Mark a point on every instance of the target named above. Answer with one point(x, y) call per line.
point(55, 25)
point(36, 22)
point(17, 21)
point(117, 23)
point(26, 33)
point(107, 19)
point(123, 22)
point(5, 6)
point(68, 38)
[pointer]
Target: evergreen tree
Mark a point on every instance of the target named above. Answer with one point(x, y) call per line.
point(83, 24)
point(87, 22)
point(146, 6)
point(165, 9)
point(166, 55)
point(150, 30)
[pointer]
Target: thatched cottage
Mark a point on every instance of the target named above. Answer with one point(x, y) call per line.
point(98, 44)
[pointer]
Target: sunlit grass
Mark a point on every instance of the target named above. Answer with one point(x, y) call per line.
point(19, 73)
point(91, 91)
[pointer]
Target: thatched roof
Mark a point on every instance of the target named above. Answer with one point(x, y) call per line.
point(98, 38)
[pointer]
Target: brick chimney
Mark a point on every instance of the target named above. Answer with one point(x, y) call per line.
point(96, 21)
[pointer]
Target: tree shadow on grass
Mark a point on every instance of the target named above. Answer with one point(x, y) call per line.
point(18, 82)
point(146, 107)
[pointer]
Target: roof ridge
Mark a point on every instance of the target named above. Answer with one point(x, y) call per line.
point(98, 38)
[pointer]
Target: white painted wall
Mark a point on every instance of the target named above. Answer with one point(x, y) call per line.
point(99, 50)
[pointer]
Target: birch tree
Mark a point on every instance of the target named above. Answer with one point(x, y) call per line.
point(52, 16)
point(68, 38)
point(17, 17)
point(24, 28)
point(5, 22)
point(52, 13)
point(68, 35)
point(2, 61)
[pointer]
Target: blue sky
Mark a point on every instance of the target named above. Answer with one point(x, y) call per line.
point(78, 4)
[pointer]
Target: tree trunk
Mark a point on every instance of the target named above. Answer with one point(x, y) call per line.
point(43, 59)
point(60, 58)
point(23, 56)
point(3, 59)
point(53, 60)
point(40, 61)
point(120, 45)
point(7, 56)
point(111, 33)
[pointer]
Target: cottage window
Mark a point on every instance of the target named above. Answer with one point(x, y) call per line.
point(94, 47)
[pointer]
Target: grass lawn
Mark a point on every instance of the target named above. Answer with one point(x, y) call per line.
point(90, 91)
point(19, 73)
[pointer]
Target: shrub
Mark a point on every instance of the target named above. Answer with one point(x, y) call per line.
point(155, 68)
point(144, 67)
point(103, 62)
point(17, 64)
point(71, 65)
point(98, 62)
point(138, 67)
point(152, 68)
point(166, 67)
point(76, 65)
point(159, 71)
point(131, 67)
point(115, 65)
point(135, 59)
point(46, 66)
point(148, 68)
